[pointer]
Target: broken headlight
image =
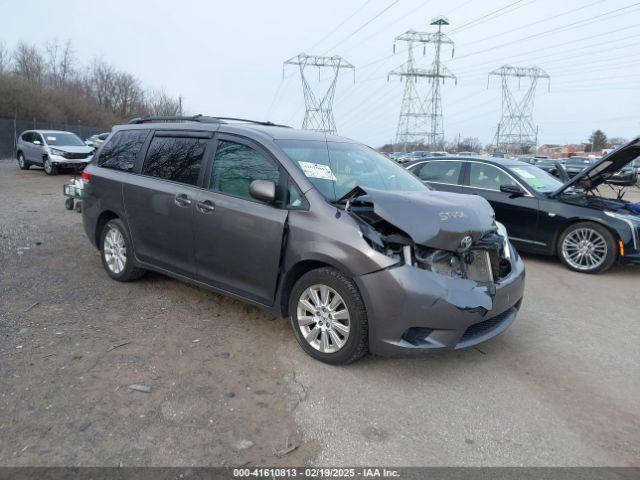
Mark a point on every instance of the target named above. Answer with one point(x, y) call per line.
point(502, 231)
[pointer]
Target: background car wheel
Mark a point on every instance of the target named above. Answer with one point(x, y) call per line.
point(587, 247)
point(328, 317)
point(68, 203)
point(116, 252)
point(22, 163)
point(49, 167)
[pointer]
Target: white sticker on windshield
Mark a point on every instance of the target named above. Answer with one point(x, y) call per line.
point(523, 173)
point(317, 170)
point(51, 139)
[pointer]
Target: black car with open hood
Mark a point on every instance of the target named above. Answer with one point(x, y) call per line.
point(574, 220)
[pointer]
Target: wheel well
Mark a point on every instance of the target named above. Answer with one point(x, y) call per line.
point(102, 221)
point(18, 153)
point(292, 276)
point(556, 239)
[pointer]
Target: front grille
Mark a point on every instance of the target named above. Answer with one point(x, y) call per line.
point(479, 329)
point(76, 156)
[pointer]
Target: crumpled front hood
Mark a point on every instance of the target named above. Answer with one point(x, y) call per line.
point(433, 219)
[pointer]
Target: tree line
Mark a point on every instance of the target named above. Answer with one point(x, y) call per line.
point(50, 84)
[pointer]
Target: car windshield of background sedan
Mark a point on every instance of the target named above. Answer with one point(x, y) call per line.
point(537, 178)
point(336, 168)
point(580, 161)
point(60, 139)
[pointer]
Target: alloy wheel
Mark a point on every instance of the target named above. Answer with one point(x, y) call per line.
point(115, 250)
point(47, 165)
point(584, 249)
point(21, 160)
point(323, 318)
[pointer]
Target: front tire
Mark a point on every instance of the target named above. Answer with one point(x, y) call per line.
point(587, 247)
point(22, 163)
point(49, 167)
point(328, 317)
point(116, 252)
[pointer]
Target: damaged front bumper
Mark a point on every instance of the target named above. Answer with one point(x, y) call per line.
point(414, 311)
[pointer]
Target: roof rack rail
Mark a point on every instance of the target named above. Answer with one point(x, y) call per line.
point(198, 118)
point(258, 122)
point(175, 118)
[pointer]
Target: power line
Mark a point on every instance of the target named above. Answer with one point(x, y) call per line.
point(335, 29)
point(476, 20)
point(550, 31)
point(362, 26)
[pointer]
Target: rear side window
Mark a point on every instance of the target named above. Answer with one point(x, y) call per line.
point(441, 172)
point(175, 158)
point(488, 177)
point(27, 137)
point(121, 151)
point(237, 165)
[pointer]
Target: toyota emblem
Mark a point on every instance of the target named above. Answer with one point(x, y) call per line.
point(466, 242)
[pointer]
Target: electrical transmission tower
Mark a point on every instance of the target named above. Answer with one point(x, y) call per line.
point(319, 110)
point(421, 114)
point(516, 132)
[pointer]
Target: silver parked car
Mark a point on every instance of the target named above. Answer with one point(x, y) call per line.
point(53, 150)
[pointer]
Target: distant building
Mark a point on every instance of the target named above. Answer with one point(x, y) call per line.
point(564, 151)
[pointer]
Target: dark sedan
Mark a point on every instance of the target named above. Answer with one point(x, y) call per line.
point(554, 167)
point(588, 232)
point(575, 165)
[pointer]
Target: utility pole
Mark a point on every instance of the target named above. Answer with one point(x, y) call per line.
point(319, 109)
point(516, 131)
point(420, 119)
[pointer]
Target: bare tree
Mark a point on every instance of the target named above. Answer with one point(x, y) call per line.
point(4, 58)
point(29, 62)
point(159, 103)
point(60, 62)
point(129, 96)
point(50, 85)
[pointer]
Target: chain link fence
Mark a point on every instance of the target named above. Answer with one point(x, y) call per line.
point(10, 128)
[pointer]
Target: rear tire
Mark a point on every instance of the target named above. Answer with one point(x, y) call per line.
point(117, 253)
point(68, 203)
point(22, 163)
point(328, 317)
point(587, 247)
point(49, 167)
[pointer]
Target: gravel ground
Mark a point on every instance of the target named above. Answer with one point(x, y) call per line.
point(230, 386)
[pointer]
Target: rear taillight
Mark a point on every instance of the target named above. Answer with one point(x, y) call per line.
point(86, 176)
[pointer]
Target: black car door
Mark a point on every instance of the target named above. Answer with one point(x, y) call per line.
point(160, 202)
point(518, 213)
point(238, 240)
point(444, 175)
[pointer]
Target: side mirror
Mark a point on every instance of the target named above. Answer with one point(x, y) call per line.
point(513, 190)
point(37, 142)
point(263, 190)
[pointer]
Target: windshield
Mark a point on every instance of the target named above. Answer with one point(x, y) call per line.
point(336, 168)
point(580, 161)
point(63, 139)
point(545, 162)
point(537, 178)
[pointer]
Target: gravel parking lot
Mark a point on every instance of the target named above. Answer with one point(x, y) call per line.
point(229, 385)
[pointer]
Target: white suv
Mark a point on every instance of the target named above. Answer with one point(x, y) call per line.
point(53, 150)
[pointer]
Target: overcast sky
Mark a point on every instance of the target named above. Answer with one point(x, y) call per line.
point(225, 58)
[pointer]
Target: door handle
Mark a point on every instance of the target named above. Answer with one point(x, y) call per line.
point(182, 200)
point(205, 206)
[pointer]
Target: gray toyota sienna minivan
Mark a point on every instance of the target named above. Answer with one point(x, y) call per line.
point(359, 253)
